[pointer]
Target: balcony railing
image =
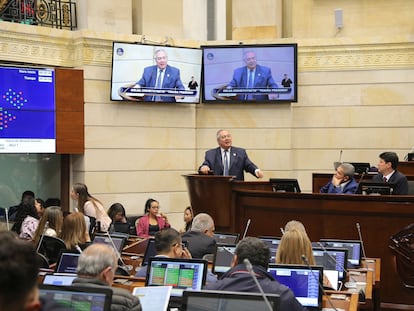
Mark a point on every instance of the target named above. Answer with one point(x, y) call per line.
point(59, 14)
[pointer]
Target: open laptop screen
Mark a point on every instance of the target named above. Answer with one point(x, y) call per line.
point(303, 280)
point(58, 279)
point(226, 238)
point(118, 241)
point(273, 243)
point(149, 252)
point(79, 297)
point(332, 259)
point(181, 274)
point(227, 301)
point(223, 257)
point(353, 247)
point(67, 261)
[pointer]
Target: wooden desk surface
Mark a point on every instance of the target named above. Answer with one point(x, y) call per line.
point(349, 303)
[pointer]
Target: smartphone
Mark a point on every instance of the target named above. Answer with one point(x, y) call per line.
point(184, 244)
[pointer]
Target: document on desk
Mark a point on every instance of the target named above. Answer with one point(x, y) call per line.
point(146, 296)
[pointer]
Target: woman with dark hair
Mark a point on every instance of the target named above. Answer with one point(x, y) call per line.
point(90, 206)
point(27, 221)
point(117, 213)
point(151, 222)
point(188, 218)
point(40, 206)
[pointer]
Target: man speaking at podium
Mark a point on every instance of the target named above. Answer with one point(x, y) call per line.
point(227, 160)
point(252, 76)
point(161, 76)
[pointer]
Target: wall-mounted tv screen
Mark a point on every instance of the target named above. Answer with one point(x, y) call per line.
point(150, 73)
point(27, 110)
point(250, 73)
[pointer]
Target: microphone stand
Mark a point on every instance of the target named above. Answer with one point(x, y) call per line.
point(362, 241)
point(127, 267)
point(41, 237)
point(249, 268)
point(7, 219)
point(247, 228)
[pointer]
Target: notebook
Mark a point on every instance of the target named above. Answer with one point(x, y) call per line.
point(226, 238)
point(227, 301)
point(67, 262)
point(272, 242)
point(223, 256)
point(303, 280)
point(181, 274)
point(118, 241)
point(332, 259)
point(79, 297)
point(146, 296)
point(57, 279)
point(353, 246)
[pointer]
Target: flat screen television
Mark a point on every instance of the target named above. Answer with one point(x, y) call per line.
point(27, 110)
point(375, 188)
point(135, 76)
point(361, 167)
point(284, 184)
point(227, 77)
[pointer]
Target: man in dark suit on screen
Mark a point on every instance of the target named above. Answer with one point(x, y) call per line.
point(387, 172)
point(227, 160)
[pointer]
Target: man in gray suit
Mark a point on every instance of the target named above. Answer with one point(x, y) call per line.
point(228, 160)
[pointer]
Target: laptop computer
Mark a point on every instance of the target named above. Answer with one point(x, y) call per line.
point(227, 301)
point(115, 241)
point(83, 298)
point(272, 242)
point(59, 279)
point(332, 259)
point(223, 256)
point(354, 250)
point(181, 274)
point(149, 252)
point(303, 280)
point(226, 238)
point(67, 262)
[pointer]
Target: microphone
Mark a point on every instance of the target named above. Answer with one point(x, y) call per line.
point(306, 262)
point(340, 156)
point(7, 219)
point(43, 234)
point(282, 230)
point(249, 268)
point(128, 267)
point(78, 249)
point(247, 228)
point(360, 238)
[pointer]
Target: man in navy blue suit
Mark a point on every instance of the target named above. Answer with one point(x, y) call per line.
point(387, 172)
point(161, 76)
point(228, 160)
point(252, 76)
point(342, 181)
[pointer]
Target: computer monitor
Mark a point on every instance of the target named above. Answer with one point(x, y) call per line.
point(118, 241)
point(284, 184)
point(59, 279)
point(149, 252)
point(410, 156)
point(332, 259)
point(67, 261)
point(375, 188)
point(273, 243)
point(227, 301)
point(303, 280)
point(181, 274)
point(79, 297)
point(226, 238)
point(223, 256)
point(353, 246)
point(361, 167)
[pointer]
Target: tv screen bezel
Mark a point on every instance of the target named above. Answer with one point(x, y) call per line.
point(147, 60)
point(292, 74)
point(375, 185)
point(285, 181)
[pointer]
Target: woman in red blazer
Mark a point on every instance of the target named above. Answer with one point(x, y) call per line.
point(152, 221)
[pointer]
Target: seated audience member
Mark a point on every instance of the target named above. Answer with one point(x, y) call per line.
point(151, 222)
point(27, 221)
point(53, 216)
point(200, 237)
point(387, 172)
point(342, 181)
point(293, 245)
point(52, 202)
point(96, 268)
point(40, 206)
point(90, 206)
point(294, 224)
point(74, 231)
point(117, 213)
point(27, 196)
point(239, 279)
point(167, 244)
point(19, 271)
point(188, 218)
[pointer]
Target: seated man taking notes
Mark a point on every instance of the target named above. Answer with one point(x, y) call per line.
point(342, 181)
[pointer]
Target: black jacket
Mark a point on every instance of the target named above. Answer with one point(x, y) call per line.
point(199, 244)
point(398, 179)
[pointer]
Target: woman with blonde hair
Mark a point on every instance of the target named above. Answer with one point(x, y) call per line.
point(53, 216)
point(74, 231)
point(293, 245)
point(90, 206)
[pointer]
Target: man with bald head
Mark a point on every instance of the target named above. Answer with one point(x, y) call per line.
point(96, 268)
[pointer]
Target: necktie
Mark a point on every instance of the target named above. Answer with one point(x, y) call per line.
point(158, 85)
point(226, 164)
point(250, 80)
point(384, 179)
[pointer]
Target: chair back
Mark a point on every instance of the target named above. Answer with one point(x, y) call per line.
point(50, 247)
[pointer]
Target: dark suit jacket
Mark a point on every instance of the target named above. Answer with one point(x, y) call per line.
point(263, 78)
point(239, 162)
point(398, 179)
point(171, 80)
point(199, 244)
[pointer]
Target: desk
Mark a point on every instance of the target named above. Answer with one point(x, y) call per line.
point(128, 283)
point(350, 303)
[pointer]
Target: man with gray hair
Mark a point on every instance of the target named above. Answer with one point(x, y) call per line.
point(96, 268)
point(343, 181)
point(200, 237)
